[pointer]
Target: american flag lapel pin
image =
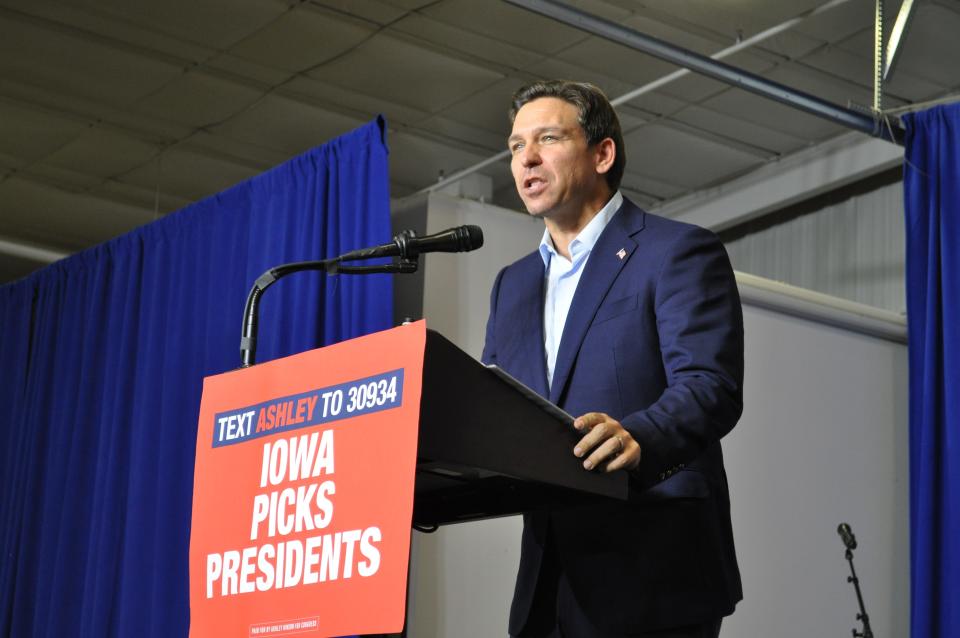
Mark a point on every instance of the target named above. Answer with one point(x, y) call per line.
point(622, 253)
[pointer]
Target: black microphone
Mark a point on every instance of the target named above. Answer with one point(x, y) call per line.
point(847, 535)
point(407, 244)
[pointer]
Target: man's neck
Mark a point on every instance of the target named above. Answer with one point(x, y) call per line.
point(564, 229)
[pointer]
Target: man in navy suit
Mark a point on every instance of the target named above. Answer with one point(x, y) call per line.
point(632, 323)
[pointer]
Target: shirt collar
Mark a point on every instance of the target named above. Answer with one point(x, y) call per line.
point(585, 240)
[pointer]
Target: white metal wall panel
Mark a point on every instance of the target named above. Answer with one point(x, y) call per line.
point(853, 249)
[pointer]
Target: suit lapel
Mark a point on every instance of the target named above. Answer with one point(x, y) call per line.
point(612, 251)
point(530, 322)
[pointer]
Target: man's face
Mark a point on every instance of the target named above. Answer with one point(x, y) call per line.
point(554, 168)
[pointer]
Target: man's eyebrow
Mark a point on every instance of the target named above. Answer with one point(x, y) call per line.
point(538, 131)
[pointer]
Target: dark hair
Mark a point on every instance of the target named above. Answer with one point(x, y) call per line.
point(595, 114)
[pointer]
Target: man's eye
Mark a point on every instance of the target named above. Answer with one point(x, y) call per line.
point(516, 146)
point(548, 138)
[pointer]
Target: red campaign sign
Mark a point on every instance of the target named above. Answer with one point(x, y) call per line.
point(303, 491)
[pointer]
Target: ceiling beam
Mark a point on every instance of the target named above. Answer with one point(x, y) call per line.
point(779, 184)
point(42, 255)
point(720, 71)
point(899, 32)
point(624, 100)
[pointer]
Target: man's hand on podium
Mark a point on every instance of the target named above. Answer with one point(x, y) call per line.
point(607, 442)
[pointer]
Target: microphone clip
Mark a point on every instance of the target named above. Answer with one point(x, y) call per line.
point(407, 263)
point(408, 248)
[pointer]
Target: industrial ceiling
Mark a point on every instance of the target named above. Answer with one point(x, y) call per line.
point(116, 112)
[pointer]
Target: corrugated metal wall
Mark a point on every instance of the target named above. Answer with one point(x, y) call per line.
point(847, 246)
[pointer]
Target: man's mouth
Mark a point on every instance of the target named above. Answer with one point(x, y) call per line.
point(534, 185)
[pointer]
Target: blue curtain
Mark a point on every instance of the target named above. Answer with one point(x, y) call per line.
point(932, 201)
point(101, 362)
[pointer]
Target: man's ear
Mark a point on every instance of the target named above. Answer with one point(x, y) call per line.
point(605, 154)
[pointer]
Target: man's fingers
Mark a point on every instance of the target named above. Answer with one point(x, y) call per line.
point(627, 459)
point(591, 439)
point(605, 442)
point(605, 451)
point(589, 420)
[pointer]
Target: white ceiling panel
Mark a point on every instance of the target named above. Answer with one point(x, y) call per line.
point(616, 60)
point(653, 105)
point(95, 23)
point(703, 41)
point(90, 112)
point(416, 162)
point(8, 165)
point(493, 52)
point(214, 23)
point(650, 188)
point(115, 111)
point(197, 99)
point(255, 72)
point(506, 23)
point(46, 215)
point(32, 134)
point(63, 178)
point(468, 137)
point(550, 68)
point(747, 131)
point(695, 88)
point(931, 47)
point(824, 84)
point(281, 124)
point(773, 115)
point(406, 73)
point(180, 169)
point(488, 108)
point(726, 19)
point(359, 106)
point(841, 22)
point(858, 70)
point(151, 202)
point(678, 157)
point(241, 152)
point(303, 38)
point(788, 45)
point(380, 12)
point(45, 55)
point(102, 153)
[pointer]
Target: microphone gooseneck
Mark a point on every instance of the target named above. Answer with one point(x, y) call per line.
point(405, 245)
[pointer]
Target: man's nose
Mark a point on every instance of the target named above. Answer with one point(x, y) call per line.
point(530, 155)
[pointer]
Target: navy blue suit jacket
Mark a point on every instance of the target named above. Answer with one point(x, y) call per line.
point(654, 338)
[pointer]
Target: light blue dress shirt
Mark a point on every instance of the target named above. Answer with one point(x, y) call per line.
point(563, 275)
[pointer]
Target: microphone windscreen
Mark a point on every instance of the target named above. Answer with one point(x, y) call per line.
point(474, 237)
point(847, 535)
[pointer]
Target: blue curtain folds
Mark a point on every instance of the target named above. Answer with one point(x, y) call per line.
point(102, 358)
point(932, 202)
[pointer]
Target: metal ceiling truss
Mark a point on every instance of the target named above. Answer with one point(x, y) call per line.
point(897, 35)
point(871, 124)
point(884, 60)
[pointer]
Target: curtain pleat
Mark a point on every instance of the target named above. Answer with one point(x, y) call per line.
point(102, 359)
point(932, 204)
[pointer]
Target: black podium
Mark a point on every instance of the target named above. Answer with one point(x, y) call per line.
point(486, 449)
